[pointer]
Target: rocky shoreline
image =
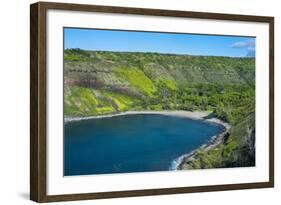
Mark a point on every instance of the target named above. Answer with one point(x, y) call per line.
point(214, 142)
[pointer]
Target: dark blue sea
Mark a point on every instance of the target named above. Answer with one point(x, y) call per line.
point(131, 143)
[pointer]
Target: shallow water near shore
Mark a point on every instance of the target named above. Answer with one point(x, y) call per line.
point(131, 143)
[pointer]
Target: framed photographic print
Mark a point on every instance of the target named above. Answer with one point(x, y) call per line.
point(134, 102)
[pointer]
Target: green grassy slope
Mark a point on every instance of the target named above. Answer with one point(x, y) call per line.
point(99, 82)
point(83, 101)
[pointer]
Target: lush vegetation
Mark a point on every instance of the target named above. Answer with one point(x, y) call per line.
point(99, 82)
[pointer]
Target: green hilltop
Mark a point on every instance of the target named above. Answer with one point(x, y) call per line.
point(100, 82)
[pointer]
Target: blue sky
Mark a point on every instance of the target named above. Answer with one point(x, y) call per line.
point(132, 41)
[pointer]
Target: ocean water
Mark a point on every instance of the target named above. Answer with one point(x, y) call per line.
point(131, 143)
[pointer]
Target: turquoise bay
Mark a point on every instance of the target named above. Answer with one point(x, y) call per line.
point(131, 143)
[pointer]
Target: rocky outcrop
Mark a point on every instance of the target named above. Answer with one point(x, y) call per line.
point(227, 150)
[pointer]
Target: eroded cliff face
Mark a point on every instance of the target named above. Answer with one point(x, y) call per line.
point(245, 155)
point(95, 82)
point(113, 69)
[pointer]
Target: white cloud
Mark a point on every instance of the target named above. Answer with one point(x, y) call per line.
point(249, 45)
point(244, 44)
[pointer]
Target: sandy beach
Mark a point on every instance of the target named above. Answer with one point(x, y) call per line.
point(178, 113)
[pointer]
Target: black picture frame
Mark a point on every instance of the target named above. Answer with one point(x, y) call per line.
point(38, 100)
